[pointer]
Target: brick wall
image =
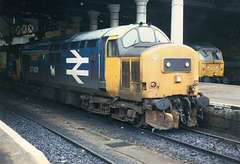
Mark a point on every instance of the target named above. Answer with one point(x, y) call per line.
point(222, 118)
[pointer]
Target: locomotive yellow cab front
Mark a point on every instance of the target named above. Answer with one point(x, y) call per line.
point(161, 78)
point(173, 71)
point(211, 64)
point(172, 68)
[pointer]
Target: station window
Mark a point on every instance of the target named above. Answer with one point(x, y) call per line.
point(92, 43)
point(82, 44)
point(112, 48)
point(74, 45)
point(130, 38)
point(65, 46)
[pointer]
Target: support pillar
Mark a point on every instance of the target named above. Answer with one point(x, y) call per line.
point(141, 10)
point(177, 22)
point(114, 12)
point(76, 23)
point(93, 20)
point(63, 27)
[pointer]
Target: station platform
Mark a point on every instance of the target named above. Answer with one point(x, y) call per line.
point(221, 94)
point(16, 150)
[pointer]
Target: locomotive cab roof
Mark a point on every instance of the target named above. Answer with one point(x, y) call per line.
point(203, 47)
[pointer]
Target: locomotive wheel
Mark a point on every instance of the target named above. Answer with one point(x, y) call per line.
point(207, 80)
point(225, 80)
point(138, 122)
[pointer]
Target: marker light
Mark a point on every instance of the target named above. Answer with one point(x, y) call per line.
point(187, 64)
point(177, 78)
point(168, 64)
point(153, 84)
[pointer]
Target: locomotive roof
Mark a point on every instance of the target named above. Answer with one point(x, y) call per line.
point(203, 46)
point(90, 35)
point(100, 33)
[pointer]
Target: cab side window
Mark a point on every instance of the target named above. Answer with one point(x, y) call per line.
point(131, 38)
point(216, 55)
point(112, 48)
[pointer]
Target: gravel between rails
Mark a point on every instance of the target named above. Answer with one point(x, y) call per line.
point(206, 142)
point(123, 131)
point(55, 148)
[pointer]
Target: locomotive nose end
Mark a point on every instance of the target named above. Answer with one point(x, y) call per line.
point(202, 101)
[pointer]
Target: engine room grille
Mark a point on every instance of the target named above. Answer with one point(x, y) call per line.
point(126, 74)
point(135, 71)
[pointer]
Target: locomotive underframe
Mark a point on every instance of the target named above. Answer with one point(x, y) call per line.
point(180, 108)
point(213, 79)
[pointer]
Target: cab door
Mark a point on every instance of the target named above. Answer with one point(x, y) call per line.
point(101, 63)
point(112, 63)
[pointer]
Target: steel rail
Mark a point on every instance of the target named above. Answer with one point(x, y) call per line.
point(211, 135)
point(94, 153)
point(228, 158)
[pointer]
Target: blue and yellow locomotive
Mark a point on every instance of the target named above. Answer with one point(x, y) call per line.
point(132, 73)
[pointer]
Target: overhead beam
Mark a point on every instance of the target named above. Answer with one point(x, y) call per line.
point(228, 6)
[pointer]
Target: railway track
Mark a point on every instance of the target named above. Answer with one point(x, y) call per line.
point(68, 138)
point(191, 146)
point(211, 135)
point(156, 135)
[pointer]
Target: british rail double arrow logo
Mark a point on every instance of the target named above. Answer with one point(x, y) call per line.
point(75, 72)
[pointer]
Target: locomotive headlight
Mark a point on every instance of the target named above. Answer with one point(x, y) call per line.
point(168, 64)
point(208, 67)
point(153, 84)
point(177, 78)
point(187, 64)
point(216, 67)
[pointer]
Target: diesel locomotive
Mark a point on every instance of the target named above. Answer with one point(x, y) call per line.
point(211, 64)
point(132, 73)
